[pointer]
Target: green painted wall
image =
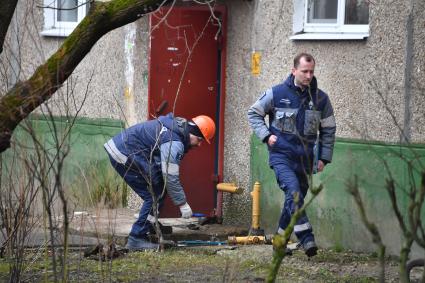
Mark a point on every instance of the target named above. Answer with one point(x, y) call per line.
point(333, 213)
point(86, 167)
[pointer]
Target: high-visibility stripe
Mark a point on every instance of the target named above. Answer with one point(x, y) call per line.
point(114, 152)
point(302, 227)
point(170, 168)
point(328, 122)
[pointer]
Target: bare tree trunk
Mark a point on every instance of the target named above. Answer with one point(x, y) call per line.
point(26, 96)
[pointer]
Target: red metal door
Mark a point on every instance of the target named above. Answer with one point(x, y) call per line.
point(184, 75)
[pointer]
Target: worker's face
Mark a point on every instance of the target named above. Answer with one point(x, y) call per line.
point(303, 73)
point(195, 140)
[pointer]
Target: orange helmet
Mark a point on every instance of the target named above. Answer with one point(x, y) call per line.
point(206, 125)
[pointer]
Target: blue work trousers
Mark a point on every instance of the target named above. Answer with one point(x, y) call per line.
point(293, 180)
point(135, 178)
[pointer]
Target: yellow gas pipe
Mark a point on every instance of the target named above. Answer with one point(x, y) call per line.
point(256, 206)
point(229, 187)
point(249, 240)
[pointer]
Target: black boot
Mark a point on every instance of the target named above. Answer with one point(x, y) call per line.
point(310, 248)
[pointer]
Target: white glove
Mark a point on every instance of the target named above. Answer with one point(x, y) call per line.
point(185, 210)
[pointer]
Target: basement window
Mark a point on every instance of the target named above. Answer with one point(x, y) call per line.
point(330, 19)
point(62, 16)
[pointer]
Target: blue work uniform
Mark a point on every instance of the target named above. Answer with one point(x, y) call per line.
point(148, 155)
point(300, 119)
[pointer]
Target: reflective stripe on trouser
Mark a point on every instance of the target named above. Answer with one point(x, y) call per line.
point(293, 182)
point(139, 185)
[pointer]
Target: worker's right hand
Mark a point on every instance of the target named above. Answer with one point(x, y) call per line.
point(185, 210)
point(272, 140)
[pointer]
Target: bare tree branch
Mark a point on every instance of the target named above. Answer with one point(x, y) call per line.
point(26, 96)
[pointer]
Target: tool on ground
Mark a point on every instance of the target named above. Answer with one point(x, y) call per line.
point(231, 240)
point(194, 243)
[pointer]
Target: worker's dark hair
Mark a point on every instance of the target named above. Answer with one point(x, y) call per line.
point(306, 56)
point(194, 129)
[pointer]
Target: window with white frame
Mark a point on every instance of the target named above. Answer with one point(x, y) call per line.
point(62, 16)
point(331, 19)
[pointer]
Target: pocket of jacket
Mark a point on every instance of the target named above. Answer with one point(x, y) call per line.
point(311, 122)
point(286, 119)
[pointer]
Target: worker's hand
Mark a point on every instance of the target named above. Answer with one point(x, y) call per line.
point(320, 166)
point(272, 140)
point(185, 210)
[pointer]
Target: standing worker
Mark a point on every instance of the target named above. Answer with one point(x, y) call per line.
point(298, 111)
point(149, 154)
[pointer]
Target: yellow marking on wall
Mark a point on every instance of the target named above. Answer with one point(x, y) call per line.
point(128, 93)
point(255, 63)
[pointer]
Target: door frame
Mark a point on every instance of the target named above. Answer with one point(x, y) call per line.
point(221, 96)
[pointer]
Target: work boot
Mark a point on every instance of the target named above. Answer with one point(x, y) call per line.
point(165, 230)
point(288, 251)
point(140, 244)
point(310, 248)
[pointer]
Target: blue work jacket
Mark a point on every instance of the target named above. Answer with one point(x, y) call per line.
point(297, 117)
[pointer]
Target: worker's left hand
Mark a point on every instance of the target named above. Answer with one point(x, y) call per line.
point(320, 165)
point(185, 210)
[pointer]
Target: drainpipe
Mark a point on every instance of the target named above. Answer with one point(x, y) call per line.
point(408, 68)
point(129, 44)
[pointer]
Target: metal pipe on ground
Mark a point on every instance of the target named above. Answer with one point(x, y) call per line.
point(250, 240)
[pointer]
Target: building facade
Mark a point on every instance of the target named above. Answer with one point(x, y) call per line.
point(369, 59)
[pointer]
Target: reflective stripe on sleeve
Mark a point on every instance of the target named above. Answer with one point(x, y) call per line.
point(328, 122)
point(114, 152)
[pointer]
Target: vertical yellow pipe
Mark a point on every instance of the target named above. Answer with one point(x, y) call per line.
point(256, 206)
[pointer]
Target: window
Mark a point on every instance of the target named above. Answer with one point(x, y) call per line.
point(331, 19)
point(62, 16)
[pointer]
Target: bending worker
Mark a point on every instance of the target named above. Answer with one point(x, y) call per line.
point(299, 112)
point(150, 153)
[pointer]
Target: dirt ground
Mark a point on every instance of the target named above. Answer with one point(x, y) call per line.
point(248, 263)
